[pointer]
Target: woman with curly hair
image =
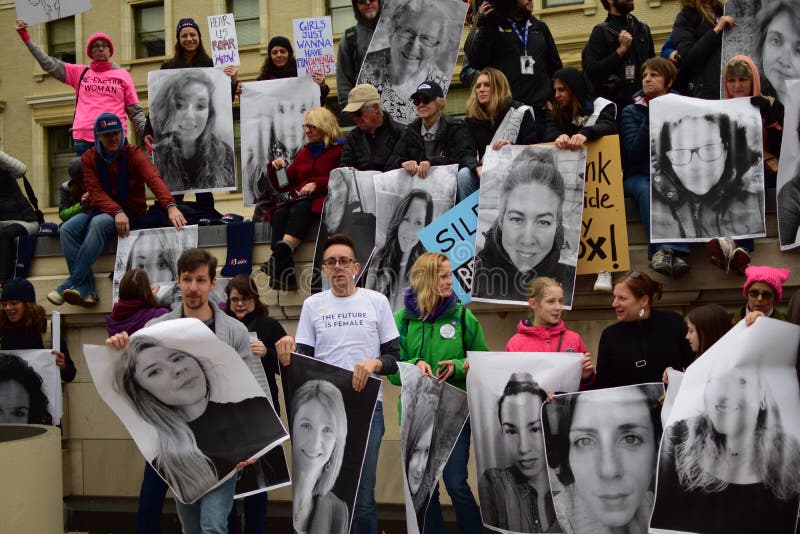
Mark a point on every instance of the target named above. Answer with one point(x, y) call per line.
point(280, 63)
point(22, 400)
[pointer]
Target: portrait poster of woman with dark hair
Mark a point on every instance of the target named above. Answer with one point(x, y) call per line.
point(730, 457)
point(529, 221)
point(30, 387)
point(788, 183)
point(706, 168)
point(506, 392)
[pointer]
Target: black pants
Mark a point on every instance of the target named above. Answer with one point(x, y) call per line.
point(8, 249)
point(293, 219)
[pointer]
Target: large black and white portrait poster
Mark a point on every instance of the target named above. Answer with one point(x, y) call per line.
point(602, 448)
point(433, 416)
point(30, 387)
point(414, 41)
point(529, 221)
point(156, 251)
point(706, 172)
point(404, 206)
point(271, 127)
point(730, 458)
point(329, 422)
point(506, 391)
point(788, 183)
point(768, 32)
point(349, 209)
point(42, 11)
point(192, 118)
point(190, 403)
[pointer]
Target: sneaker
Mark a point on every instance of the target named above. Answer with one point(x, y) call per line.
point(73, 296)
point(740, 260)
point(55, 297)
point(603, 282)
point(661, 262)
point(720, 251)
point(680, 267)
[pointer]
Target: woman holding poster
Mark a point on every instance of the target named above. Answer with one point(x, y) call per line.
point(281, 63)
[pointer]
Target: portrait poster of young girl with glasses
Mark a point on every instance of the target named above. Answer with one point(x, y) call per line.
point(706, 169)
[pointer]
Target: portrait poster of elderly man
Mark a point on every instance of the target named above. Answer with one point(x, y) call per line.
point(506, 392)
point(730, 457)
point(788, 186)
point(529, 221)
point(30, 387)
point(602, 448)
point(707, 177)
point(190, 403)
point(192, 118)
point(329, 422)
point(414, 41)
point(433, 416)
point(404, 206)
point(271, 127)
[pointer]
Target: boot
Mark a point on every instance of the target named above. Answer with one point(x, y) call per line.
point(283, 277)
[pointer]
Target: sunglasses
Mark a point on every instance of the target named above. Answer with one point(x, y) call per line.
point(754, 294)
point(357, 113)
point(421, 99)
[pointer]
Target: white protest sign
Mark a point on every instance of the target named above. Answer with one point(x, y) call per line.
point(313, 45)
point(224, 45)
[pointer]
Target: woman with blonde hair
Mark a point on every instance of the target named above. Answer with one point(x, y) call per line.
point(436, 331)
point(307, 184)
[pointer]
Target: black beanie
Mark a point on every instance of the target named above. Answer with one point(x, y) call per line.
point(19, 289)
point(279, 40)
point(186, 23)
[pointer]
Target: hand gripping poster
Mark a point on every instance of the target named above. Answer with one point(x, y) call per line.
point(192, 406)
point(730, 457)
point(506, 391)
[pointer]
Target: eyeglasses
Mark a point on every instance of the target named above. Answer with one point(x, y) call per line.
point(754, 294)
point(309, 127)
point(421, 99)
point(357, 113)
point(330, 263)
point(407, 34)
point(236, 300)
point(682, 156)
point(96, 46)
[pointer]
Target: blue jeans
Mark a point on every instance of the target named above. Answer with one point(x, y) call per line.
point(81, 146)
point(209, 515)
point(467, 182)
point(468, 516)
point(638, 187)
point(151, 502)
point(82, 240)
point(365, 519)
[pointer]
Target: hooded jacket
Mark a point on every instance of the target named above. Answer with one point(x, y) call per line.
point(352, 49)
point(634, 138)
point(589, 124)
point(701, 50)
point(130, 316)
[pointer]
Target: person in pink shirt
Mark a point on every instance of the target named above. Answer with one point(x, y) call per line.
point(101, 87)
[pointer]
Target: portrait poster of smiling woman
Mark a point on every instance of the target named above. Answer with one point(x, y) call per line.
point(529, 221)
point(329, 423)
point(730, 457)
point(192, 118)
point(707, 177)
point(191, 405)
point(506, 392)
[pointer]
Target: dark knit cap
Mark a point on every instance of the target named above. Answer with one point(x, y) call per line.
point(280, 40)
point(186, 23)
point(19, 289)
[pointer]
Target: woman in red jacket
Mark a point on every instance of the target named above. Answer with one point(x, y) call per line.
point(544, 331)
point(300, 193)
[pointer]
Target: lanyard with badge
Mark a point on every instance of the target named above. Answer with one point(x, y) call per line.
point(526, 62)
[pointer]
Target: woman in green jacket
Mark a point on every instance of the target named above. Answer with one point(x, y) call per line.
point(436, 332)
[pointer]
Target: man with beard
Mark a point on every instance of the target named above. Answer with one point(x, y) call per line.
point(509, 38)
point(613, 57)
point(353, 46)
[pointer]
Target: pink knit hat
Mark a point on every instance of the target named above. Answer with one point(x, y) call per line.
point(774, 277)
point(94, 38)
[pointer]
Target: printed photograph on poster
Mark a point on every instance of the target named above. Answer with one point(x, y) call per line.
point(320, 399)
point(433, 416)
point(767, 31)
point(189, 402)
point(730, 458)
point(156, 251)
point(349, 209)
point(270, 472)
point(414, 41)
point(30, 387)
point(41, 11)
point(192, 118)
point(505, 393)
point(788, 182)
point(707, 177)
point(404, 206)
point(224, 43)
point(595, 490)
point(271, 127)
point(313, 42)
point(529, 221)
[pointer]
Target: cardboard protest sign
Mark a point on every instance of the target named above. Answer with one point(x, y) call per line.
point(313, 46)
point(788, 183)
point(453, 234)
point(604, 230)
point(30, 387)
point(730, 456)
point(190, 403)
point(224, 44)
point(41, 11)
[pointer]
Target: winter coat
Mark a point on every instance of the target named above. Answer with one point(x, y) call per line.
point(371, 152)
point(130, 316)
point(604, 124)
point(453, 145)
point(482, 131)
point(352, 49)
point(700, 48)
point(14, 206)
point(789, 211)
point(269, 331)
point(635, 137)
